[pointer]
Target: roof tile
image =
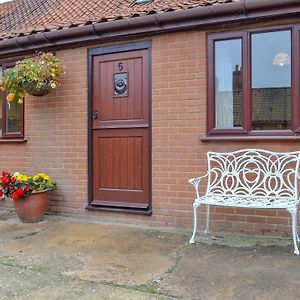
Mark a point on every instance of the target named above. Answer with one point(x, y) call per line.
point(27, 16)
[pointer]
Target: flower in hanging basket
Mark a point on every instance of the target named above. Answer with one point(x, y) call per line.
point(20, 185)
point(36, 76)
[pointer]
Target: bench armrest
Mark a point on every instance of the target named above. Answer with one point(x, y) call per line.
point(195, 182)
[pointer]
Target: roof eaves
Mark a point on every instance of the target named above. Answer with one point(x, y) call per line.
point(107, 29)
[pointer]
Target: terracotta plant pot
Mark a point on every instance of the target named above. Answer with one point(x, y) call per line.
point(32, 89)
point(32, 208)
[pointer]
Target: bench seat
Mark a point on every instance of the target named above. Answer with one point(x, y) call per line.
point(248, 202)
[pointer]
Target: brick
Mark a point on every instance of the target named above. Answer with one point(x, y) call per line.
point(254, 219)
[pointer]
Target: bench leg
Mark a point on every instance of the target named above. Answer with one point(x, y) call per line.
point(293, 212)
point(195, 206)
point(297, 235)
point(207, 220)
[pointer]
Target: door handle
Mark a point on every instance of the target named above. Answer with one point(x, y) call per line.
point(95, 114)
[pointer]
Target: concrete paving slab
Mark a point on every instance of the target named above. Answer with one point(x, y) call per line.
point(91, 251)
point(74, 258)
point(19, 283)
point(223, 272)
point(117, 256)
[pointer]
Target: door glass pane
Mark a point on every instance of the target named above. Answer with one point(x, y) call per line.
point(271, 80)
point(228, 83)
point(13, 117)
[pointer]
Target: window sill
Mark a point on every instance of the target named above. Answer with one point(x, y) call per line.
point(7, 141)
point(250, 138)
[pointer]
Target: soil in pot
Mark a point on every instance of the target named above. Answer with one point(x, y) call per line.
point(32, 89)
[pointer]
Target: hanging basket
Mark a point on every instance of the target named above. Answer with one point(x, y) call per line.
point(32, 89)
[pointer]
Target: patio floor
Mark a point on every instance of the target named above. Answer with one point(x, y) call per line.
point(72, 258)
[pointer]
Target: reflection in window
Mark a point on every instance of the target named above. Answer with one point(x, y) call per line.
point(271, 80)
point(1, 112)
point(228, 83)
point(1, 103)
point(13, 117)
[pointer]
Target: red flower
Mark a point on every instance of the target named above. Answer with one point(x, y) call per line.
point(27, 188)
point(13, 179)
point(4, 180)
point(20, 192)
point(1, 193)
point(14, 195)
point(4, 173)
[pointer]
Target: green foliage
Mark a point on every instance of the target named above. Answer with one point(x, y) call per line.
point(12, 84)
point(43, 68)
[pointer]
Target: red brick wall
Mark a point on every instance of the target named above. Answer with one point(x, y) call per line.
point(56, 130)
point(179, 119)
point(56, 133)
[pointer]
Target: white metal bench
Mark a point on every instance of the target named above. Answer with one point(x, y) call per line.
point(251, 178)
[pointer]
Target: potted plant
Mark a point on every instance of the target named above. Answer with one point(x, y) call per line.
point(28, 194)
point(36, 76)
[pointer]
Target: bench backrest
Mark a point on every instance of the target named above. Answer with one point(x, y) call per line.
point(252, 172)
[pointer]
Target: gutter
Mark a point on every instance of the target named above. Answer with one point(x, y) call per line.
point(199, 17)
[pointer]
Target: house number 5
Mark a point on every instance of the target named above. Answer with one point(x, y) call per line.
point(120, 66)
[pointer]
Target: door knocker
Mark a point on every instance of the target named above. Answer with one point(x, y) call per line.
point(120, 84)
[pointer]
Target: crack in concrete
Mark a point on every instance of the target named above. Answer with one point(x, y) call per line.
point(178, 257)
point(26, 235)
point(146, 288)
point(10, 261)
point(156, 283)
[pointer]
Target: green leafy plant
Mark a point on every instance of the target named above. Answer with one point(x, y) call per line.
point(44, 69)
point(20, 185)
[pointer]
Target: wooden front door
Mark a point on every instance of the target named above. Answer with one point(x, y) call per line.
point(120, 130)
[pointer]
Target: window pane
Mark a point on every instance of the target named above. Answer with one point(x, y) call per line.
point(13, 117)
point(228, 83)
point(271, 81)
point(1, 95)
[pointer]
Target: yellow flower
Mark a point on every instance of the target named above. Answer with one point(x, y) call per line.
point(25, 178)
point(10, 97)
point(35, 178)
point(42, 176)
point(21, 177)
point(53, 85)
